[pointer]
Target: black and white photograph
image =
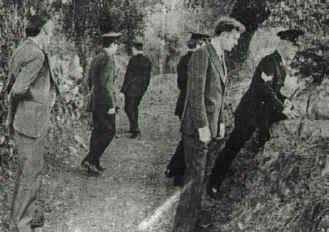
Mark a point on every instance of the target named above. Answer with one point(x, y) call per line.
point(164, 115)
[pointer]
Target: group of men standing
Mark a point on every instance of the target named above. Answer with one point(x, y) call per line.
point(32, 92)
point(202, 79)
point(205, 79)
point(103, 101)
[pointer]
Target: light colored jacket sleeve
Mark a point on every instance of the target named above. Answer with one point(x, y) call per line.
point(28, 73)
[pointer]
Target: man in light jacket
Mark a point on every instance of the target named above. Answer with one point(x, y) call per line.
point(32, 92)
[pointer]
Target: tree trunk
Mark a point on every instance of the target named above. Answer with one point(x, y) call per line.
point(251, 13)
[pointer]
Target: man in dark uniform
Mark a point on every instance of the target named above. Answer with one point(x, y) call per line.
point(135, 83)
point(260, 107)
point(101, 80)
point(176, 166)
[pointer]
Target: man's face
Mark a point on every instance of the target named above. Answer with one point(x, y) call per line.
point(230, 39)
point(291, 50)
point(113, 48)
point(133, 51)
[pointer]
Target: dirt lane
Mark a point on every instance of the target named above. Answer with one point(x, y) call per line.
point(132, 186)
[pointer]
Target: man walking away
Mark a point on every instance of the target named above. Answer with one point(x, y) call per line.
point(135, 84)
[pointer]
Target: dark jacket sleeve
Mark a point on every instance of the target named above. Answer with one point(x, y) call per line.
point(197, 71)
point(148, 70)
point(103, 91)
point(182, 73)
point(264, 90)
point(128, 76)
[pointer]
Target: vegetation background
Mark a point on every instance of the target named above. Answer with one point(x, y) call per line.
point(283, 188)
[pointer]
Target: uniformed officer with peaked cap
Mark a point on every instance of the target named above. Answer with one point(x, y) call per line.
point(136, 82)
point(261, 106)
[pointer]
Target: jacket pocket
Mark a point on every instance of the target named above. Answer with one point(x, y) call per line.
point(31, 118)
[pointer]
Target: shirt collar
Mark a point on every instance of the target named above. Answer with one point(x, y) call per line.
point(282, 60)
point(35, 42)
point(219, 51)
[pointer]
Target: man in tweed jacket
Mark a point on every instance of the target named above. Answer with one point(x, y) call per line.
point(202, 116)
point(32, 92)
point(261, 106)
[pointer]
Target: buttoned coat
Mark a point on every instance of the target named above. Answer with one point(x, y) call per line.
point(137, 76)
point(32, 89)
point(263, 102)
point(205, 91)
point(101, 79)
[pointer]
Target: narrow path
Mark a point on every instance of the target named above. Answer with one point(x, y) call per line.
point(132, 186)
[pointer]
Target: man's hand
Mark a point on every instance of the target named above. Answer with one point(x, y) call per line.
point(221, 128)
point(111, 111)
point(291, 114)
point(204, 134)
point(287, 104)
point(266, 78)
point(121, 95)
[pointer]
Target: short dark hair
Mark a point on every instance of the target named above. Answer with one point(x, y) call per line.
point(138, 46)
point(107, 41)
point(191, 44)
point(227, 24)
point(35, 24)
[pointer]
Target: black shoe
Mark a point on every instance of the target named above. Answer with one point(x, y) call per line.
point(169, 173)
point(92, 170)
point(100, 167)
point(84, 163)
point(179, 180)
point(38, 220)
point(135, 135)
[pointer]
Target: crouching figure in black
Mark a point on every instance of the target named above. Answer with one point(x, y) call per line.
point(261, 106)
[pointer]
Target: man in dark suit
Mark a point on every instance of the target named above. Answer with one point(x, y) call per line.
point(261, 106)
point(176, 166)
point(102, 105)
point(135, 84)
point(32, 93)
point(202, 116)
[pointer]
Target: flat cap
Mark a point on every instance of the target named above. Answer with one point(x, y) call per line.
point(291, 35)
point(228, 24)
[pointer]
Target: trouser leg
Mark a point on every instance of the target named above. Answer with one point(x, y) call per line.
point(177, 165)
point(28, 180)
point(189, 204)
point(131, 109)
point(225, 157)
point(101, 136)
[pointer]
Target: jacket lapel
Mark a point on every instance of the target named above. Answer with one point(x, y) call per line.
point(217, 63)
point(280, 69)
